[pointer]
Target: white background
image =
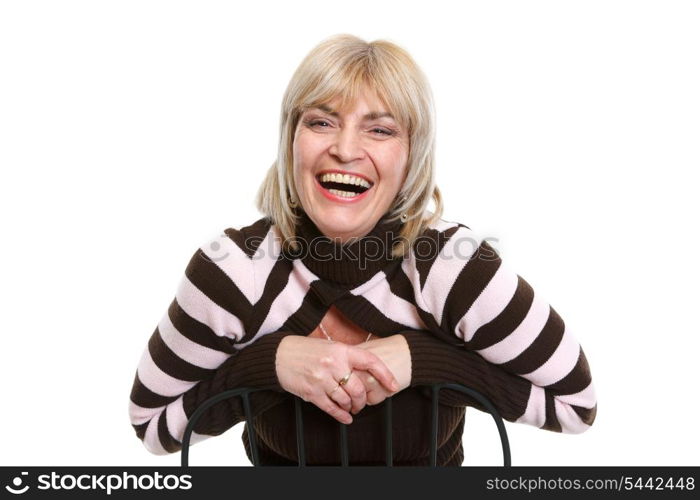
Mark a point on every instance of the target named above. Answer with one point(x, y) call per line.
point(132, 131)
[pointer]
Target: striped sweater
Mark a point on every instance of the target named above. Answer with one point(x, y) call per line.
point(466, 316)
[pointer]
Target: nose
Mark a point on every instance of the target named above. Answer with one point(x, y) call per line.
point(347, 146)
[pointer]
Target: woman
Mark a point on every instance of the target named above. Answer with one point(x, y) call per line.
point(350, 290)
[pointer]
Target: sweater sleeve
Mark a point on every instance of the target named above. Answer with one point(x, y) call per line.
point(194, 351)
point(435, 361)
point(516, 342)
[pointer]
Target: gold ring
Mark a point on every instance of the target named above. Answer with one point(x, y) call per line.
point(345, 379)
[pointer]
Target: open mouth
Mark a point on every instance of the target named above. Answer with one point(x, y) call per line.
point(344, 185)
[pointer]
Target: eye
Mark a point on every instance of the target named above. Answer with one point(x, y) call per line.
point(383, 131)
point(318, 123)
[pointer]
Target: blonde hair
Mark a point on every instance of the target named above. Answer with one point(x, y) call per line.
point(339, 67)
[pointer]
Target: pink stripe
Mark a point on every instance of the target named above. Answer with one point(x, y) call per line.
point(569, 420)
point(491, 302)
point(233, 262)
point(139, 415)
point(177, 422)
point(184, 348)
point(265, 259)
point(203, 309)
point(393, 306)
point(559, 364)
point(520, 338)
point(585, 398)
point(409, 268)
point(455, 254)
point(442, 225)
point(157, 380)
point(290, 299)
point(375, 280)
point(151, 440)
point(535, 411)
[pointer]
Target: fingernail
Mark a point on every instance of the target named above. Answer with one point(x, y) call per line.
point(395, 385)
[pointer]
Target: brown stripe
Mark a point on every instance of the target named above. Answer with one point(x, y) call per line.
point(587, 415)
point(276, 281)
point(140, 430)
point(363, 313)
point(401, 286)
point(431, 325)
point(146, 398)
point(541, 349)
point(577, 379)
point(507, 320)
point(166, 440)
point(426, 249)
point(172, 364)
point(211, 280)
point(471, 281)
point(307, 317)
point(551, 423)
point(197, 332)
point(249, 238)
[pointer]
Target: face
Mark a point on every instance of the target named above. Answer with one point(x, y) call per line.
point(349, 165)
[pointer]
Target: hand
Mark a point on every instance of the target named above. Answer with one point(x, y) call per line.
point(310, 368)
point(396, 355)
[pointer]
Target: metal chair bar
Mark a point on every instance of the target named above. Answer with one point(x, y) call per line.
point(252, 437)
point(344, 460)
point(301, 451)
point(505, 445)
point(231, 393)
point(388, 433)
point(434, 398)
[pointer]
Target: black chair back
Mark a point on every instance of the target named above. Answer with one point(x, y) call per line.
point(245, 392)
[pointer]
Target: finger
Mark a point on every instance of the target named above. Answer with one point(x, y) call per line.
point(377, 396)
point(329, 406)
point(375, 392)
point(357, 392)
point(365, 360)
point(367, 379)
point(341, 397)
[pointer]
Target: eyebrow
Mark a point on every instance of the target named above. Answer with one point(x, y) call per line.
point(372, 115)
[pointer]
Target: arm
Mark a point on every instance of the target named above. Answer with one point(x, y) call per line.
point(516, 339)
point(192, 350)
point(163, 426)
point(435, 361)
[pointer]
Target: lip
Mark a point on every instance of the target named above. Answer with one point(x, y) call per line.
point(340, 199)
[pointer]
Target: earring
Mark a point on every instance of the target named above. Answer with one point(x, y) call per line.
point(404, 215)
point(292, 202)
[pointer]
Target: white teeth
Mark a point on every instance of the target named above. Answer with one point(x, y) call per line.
point(344, 194)
point(345, 179)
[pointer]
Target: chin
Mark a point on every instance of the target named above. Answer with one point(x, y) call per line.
point(347, 230)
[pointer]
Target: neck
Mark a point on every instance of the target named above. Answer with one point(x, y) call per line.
point(348, 262)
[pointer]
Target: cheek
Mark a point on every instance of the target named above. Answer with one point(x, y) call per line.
point(392, 162)
point(306, 150)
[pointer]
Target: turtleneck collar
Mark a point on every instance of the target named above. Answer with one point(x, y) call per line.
point(351, 263)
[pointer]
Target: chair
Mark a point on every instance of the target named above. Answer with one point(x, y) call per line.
point(244, 393)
